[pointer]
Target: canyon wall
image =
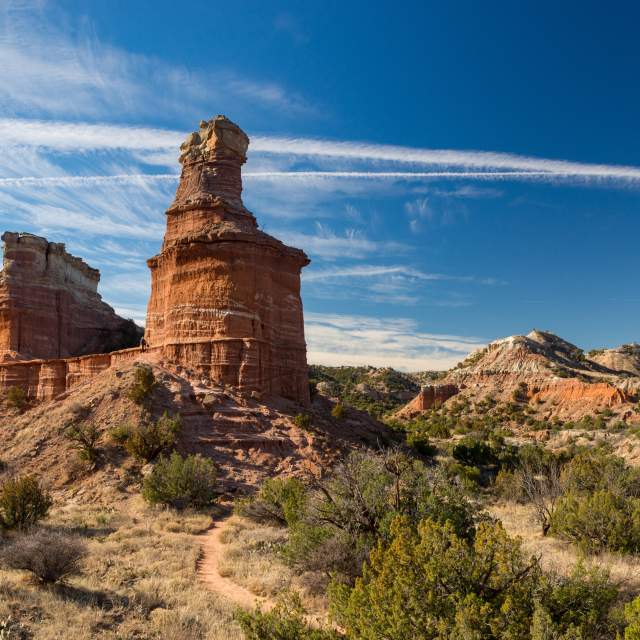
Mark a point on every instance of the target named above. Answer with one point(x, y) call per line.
point(44, 380)
point(225, 296)
point(50, 306)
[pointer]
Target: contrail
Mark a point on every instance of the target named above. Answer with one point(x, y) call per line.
point(471, 164)
point(541, 176)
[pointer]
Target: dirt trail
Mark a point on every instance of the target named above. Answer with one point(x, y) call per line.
point(209, 574)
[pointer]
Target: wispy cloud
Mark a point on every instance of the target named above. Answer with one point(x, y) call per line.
point(370, 271)
point(288, 23)
point(47, 69)
point(325, 243)
point(335, 339)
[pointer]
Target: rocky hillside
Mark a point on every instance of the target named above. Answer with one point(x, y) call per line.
point(249, 437)
point(625, 358)
point(371, 389)
point(556, 378)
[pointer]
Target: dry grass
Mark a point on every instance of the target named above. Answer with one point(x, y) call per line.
point(252, 559)
point(561, 556)
point(139, 581)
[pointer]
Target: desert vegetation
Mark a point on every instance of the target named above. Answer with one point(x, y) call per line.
point(405, 552)
point(465, 528)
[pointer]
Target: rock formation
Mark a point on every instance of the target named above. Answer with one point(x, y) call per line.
point(225, 296)
point(625, 358)
point(50, 306)
point(554, 376)
point(430, 396)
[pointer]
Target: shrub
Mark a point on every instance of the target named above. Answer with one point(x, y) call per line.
point(181, 482)
point(303, 421)
point(147, 440)
point(48, 555)
point(338, 411)
point(602, 520)
point(85, 437)
point(580, 603)
point(420, 442)
point(595, 470)
point(280, 501)
point(284, 622)
point(632, 618)
point(428, 582)
point(144, 383)
point(22, 503)
point(473, 452)
point(539, 481)
point(17, 398)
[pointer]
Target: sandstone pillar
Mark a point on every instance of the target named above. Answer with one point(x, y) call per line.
point(225, 296)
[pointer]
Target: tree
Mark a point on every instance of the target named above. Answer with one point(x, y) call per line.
point(541, 485)
point(17, 398)
point(143, 385)
point(428, 583)
point(85, 437)
point(147, 440)
point(280, 501)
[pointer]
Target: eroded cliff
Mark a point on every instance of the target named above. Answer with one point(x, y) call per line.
point(50, 306)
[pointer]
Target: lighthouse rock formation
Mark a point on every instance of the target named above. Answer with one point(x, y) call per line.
point(225, 296)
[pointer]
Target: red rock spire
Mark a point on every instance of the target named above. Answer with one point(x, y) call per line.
point(225, 296)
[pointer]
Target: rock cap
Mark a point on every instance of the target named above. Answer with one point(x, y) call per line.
point(218, 135)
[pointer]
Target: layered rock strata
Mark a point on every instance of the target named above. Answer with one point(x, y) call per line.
point(50, 306)
point(225, 296)
point(554, 377)
point(430, 396)
point(44, 380)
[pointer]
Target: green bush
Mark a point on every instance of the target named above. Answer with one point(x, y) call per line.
point(17, 398)
point(279, 501)
point(579, 604)
point(420, 442)
point(338, 411)
point(284, 622)
point(595, 470)
point(22, 503)
point(601, 520)
point(473, 452)
point(143, 385)
point(147, 440)
point(303, 421)
point(632, 618)
point(429, 583)
point(352, 507)
point(181, 482)
point(85, 437)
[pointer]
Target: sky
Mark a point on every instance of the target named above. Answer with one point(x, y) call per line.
point(456, 171)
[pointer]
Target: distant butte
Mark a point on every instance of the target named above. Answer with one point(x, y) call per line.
point(50, 306)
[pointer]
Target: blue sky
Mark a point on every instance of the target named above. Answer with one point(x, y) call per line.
point(457, 171)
